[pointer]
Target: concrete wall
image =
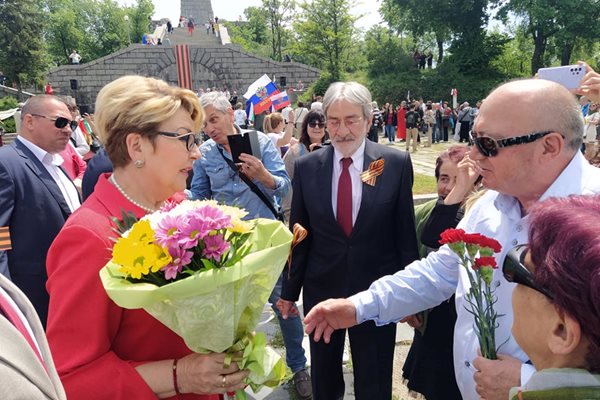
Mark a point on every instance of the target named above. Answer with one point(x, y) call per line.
point(218, 66)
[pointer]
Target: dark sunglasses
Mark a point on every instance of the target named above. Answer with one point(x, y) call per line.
point(190, 139)
point(60, 122)
point(515, 271)
point(315, 124)
point(489, 147)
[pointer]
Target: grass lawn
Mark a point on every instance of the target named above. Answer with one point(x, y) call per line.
point(424, 184)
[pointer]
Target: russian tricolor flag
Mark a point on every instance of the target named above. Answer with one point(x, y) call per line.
point(259, 93)
point(280, 100)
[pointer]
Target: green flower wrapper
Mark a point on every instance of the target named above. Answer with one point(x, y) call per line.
point(217, 310)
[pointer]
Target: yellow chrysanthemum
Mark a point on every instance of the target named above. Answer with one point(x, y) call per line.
point(136, 253)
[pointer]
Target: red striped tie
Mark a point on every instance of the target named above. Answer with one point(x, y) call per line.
point(344, 198)
point(12, 316)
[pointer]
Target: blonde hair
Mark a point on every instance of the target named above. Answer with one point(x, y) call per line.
point(139, 104)
point(272, 121)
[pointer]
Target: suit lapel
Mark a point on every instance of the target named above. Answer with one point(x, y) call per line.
point(40, 171)
point(368, 192)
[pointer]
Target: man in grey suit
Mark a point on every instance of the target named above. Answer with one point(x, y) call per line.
point(36, 195)
point(22, 374)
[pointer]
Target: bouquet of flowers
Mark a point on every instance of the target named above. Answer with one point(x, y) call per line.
point(476, 253)
point(206, 274)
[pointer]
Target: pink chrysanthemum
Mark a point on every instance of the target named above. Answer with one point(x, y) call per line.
point(170, 229)
point(215, 247)
point(181, 258)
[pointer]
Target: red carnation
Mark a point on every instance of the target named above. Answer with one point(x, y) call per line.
point(485, 262)
point(452, 236)
point(482, 241)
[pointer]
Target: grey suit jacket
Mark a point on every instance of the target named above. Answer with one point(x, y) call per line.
point(22, 376)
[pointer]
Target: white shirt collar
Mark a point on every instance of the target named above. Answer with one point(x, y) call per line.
point(357, 158)
point(41, 154)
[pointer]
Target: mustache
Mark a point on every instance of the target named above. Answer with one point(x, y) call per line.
point(347, 138)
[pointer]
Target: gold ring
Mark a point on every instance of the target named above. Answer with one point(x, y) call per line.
point(224, 381)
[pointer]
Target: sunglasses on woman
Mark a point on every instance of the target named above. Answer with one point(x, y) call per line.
point(60, 122)
point(489, 147)
point(190, 139)
point(315, 124)
point(515, 271)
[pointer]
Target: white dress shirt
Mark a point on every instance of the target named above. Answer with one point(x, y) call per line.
point(51, 163)
point(355, 169)
point(426, 283)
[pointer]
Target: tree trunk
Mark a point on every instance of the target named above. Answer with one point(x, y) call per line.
point(440, 46)
point(537, 60)
point(567, 50)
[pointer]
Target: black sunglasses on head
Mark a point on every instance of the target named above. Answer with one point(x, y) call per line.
point(314, 124)
point(489, 147)
point(515, 271)
point(60, 122)
point(190, 139)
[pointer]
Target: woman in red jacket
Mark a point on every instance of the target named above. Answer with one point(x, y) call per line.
point(150, 131)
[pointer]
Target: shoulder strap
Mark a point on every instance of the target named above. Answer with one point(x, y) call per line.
point(250, 184)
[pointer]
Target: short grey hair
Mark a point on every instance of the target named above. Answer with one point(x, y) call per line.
point(216, 99)
point(353, 92)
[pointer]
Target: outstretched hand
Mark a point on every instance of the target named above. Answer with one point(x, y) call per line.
point(329, 315)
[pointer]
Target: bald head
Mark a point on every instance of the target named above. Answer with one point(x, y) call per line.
point(540, 105)
point(38, 104)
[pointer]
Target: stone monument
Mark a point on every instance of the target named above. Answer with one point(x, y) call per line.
point(200, 10)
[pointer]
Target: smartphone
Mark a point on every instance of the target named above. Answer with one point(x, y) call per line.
point(568, 75)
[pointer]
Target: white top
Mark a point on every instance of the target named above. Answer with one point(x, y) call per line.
point(81, 145)
point(240, 117)
point(316, 105)
point(355, 169)
point(426, 283)
point(590, 127)
point(51, 163)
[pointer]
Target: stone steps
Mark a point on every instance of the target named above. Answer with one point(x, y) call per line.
point(199, 37)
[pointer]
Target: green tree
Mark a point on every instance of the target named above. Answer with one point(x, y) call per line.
point(23, 57)
point(252, 35)
point(278, 14)
point(140, 16)
point(324, 35)
point(419, 18)
point(560, 22)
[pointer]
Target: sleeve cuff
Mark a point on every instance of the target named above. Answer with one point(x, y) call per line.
point(365, 305)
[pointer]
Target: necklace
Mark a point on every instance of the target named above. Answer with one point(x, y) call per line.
point(120, 189)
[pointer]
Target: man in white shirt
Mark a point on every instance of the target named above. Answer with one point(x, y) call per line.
point(523, 158)
point(36, 195)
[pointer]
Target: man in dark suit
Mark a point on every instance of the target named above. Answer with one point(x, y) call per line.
point(355, 200)
point(36, 195)
point(22, 374)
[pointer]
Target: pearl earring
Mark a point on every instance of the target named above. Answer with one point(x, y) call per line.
point(138, 163)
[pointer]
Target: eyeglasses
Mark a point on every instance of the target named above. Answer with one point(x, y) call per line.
point(315, 124)
point(350, 123)
point(190, 139)
point(60, 122)
point(489, 147)
point(515, 271)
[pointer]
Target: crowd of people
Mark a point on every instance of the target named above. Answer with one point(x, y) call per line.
point(518, 174)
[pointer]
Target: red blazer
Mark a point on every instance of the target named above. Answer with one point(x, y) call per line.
point(74, 165)
point(96, 344)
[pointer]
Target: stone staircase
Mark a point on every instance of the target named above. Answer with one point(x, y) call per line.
point(199, 37)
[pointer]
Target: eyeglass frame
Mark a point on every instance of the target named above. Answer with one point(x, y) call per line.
point(315, 124)
point(354, 121)
point(197, 138)
point(500, 143)
point(515, 271)
point(71, 122)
